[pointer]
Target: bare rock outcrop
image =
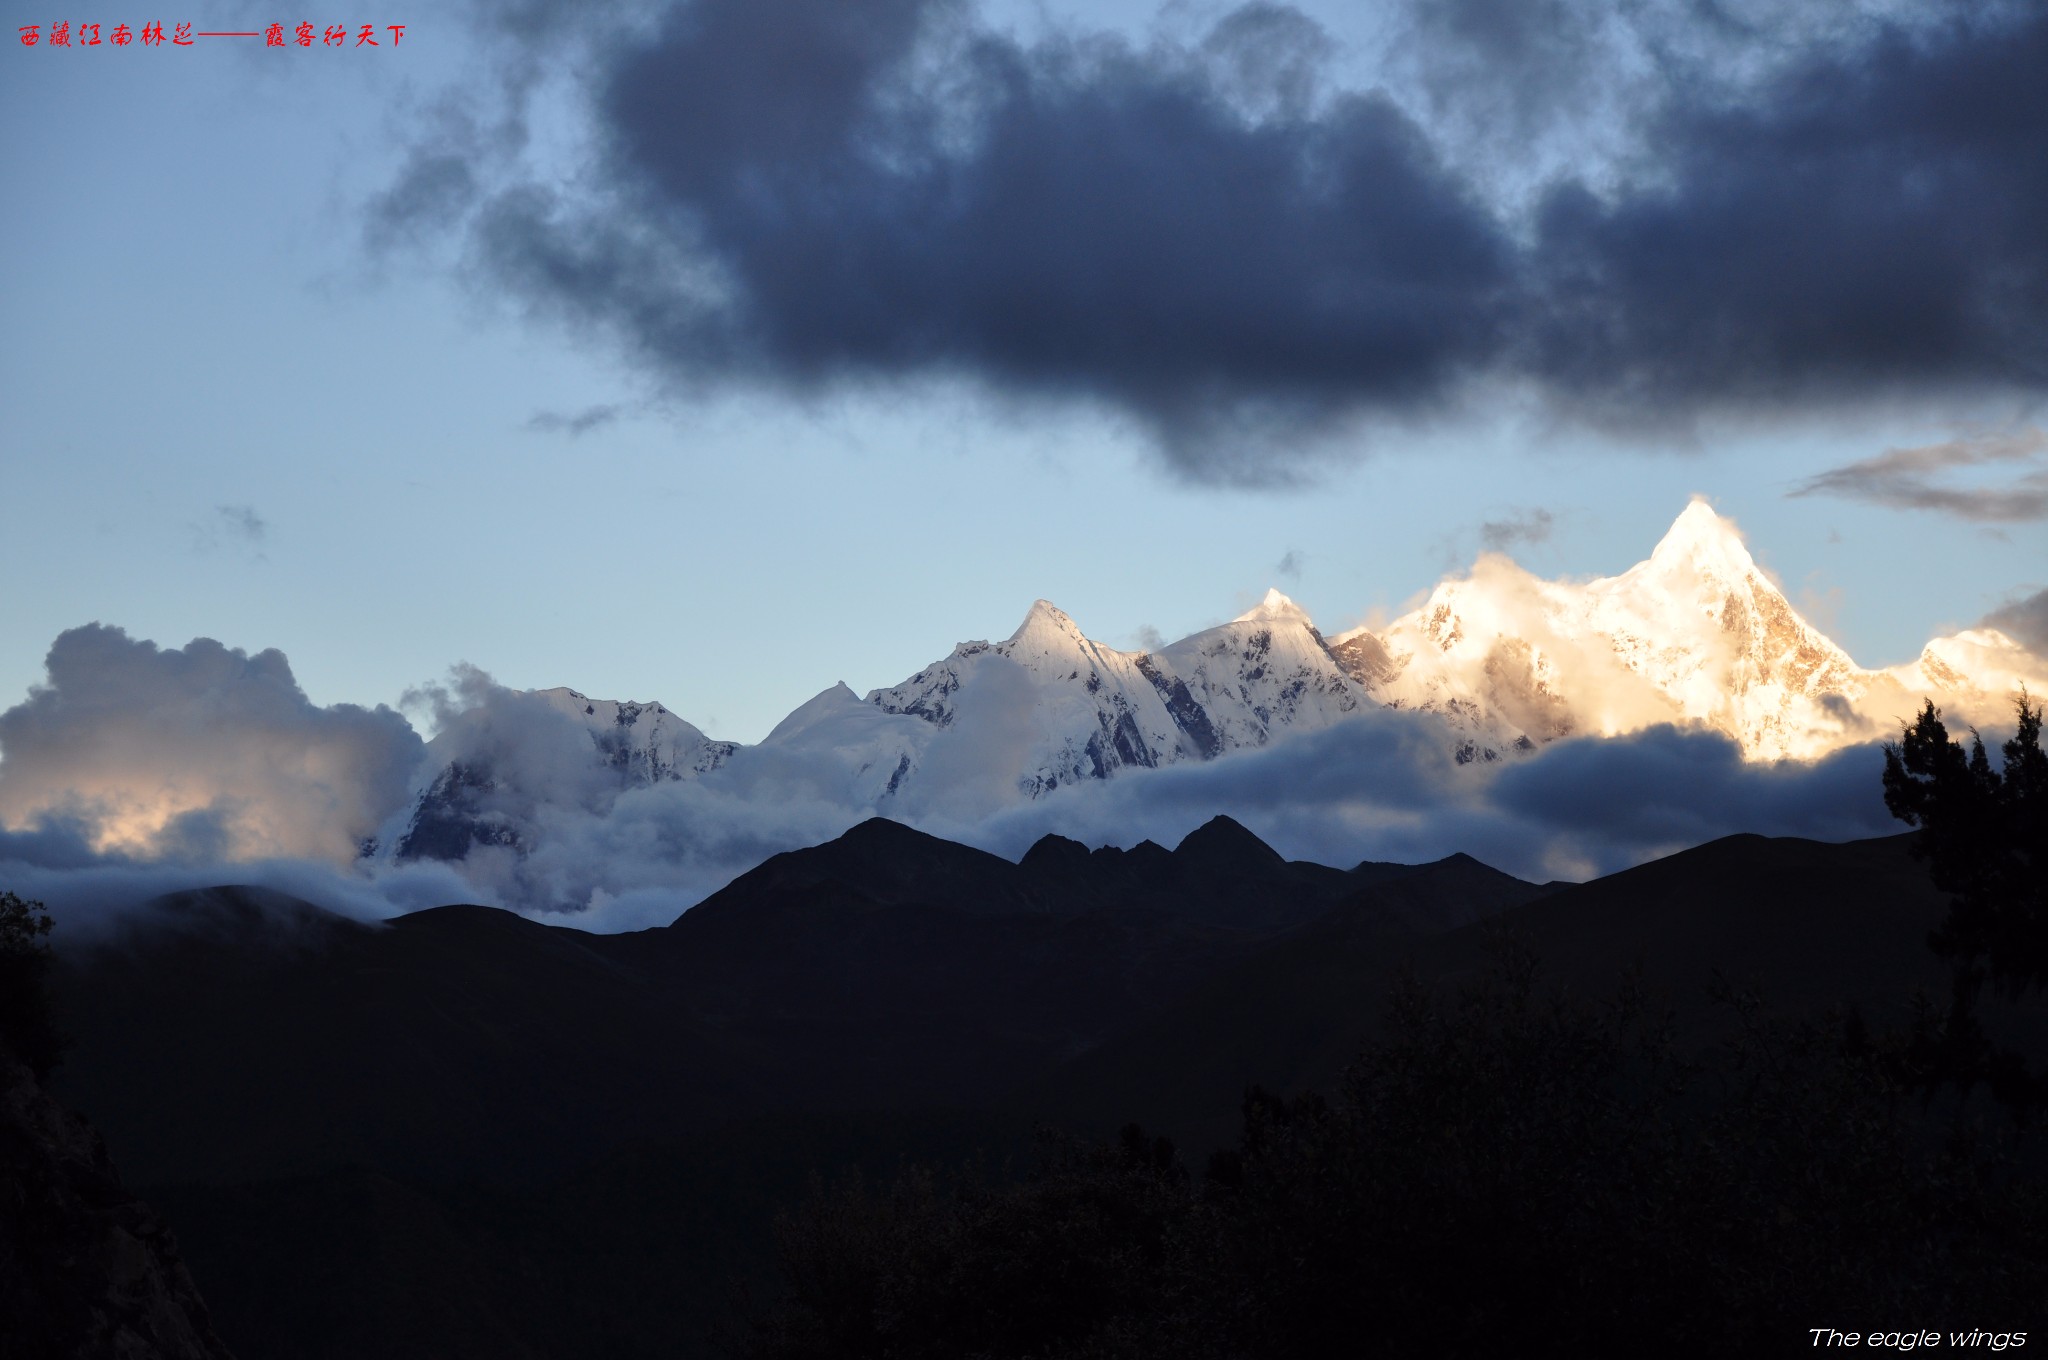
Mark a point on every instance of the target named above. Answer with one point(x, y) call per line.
point(86, 1269)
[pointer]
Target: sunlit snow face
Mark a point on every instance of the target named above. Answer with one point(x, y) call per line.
point(1697, 634)
point(1473, 722)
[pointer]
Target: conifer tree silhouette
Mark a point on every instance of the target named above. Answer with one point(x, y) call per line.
point(1983, 833)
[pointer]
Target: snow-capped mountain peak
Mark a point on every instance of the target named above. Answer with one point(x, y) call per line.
point(1704, 540)
point(1274, 606)
point(818, 707)
point(498, 761)
point(1081, 710)
point(1695, 634)
point(646, 743)
point(1086, 710)
point(1263, 672)
point(1051, 644)
point(1976, 659)
point(1046, 627)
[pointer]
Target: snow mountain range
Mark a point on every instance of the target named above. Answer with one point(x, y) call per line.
point(1696, 635)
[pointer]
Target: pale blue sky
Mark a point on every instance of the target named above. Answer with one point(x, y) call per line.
point(190, 325)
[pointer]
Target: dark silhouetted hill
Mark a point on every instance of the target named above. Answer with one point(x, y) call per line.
point(518, 1134)
point(1804, 924)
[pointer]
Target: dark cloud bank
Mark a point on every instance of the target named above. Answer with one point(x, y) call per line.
point(248, 782)
point(1213, 237)
point(1922, 478)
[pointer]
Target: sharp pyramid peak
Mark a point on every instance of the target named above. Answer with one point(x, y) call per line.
point(1274, 607)
point(820, 705)
point(1044, 623)
point(1701, 534)
point(1222, 840)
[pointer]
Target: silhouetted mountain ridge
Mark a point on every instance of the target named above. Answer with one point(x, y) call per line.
point(511, 1092)
point(883, 968)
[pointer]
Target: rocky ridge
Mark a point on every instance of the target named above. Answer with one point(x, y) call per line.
point(1695, 635)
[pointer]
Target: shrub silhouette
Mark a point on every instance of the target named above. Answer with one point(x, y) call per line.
point(1505, 1171)
point(27, 1027)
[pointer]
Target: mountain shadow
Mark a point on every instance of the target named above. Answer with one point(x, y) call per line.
point(520, 1135)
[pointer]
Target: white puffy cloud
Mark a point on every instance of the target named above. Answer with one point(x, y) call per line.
point(196, 752)
point(140, 770)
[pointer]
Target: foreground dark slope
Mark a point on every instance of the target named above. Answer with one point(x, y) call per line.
point(469, 1134)
point(1803, 924)
point(86, 1267)
point(236, 1033)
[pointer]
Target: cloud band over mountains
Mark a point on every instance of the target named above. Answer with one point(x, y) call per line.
point(1554, 729)
point(1219, 238)
point(141, 769)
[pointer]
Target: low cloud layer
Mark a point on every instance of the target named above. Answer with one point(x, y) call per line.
point(1385, 787)
point(138, 770)
point(1929, 478)
point(1221, 237)
point(93, 897)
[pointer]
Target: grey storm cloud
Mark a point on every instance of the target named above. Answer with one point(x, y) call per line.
point(1923, 478)
point(1217, 239)
point(1522, 526)
point(2025, 620)
point(243, 522)
point(1385, 786)
point(572, 424)
point(430, 195)
point(1665, 787)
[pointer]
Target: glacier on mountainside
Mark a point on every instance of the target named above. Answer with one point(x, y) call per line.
point(1695, 635)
